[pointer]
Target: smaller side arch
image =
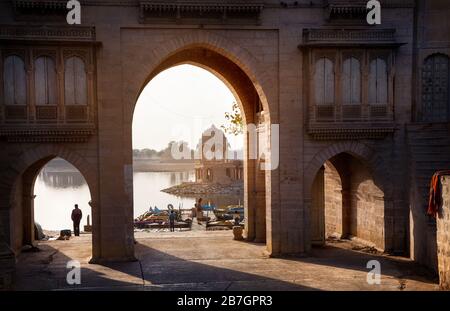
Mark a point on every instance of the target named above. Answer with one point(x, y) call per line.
point(17, 183)
point(360, 151)
point(383, 238)
point(33, 155)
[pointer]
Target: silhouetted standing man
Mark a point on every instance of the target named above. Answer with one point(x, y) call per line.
point(172, 221)
point(76, 218)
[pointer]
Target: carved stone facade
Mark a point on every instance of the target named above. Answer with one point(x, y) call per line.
point(341, 91)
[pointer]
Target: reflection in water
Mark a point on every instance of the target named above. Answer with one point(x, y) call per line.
point(57, 190)
point(58, 187)
point(62, 179)
point(147, 188)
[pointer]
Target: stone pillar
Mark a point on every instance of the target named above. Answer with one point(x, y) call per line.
point(260, 183)
point(443, 235)
point(113, 219)
point(28, 217)
point(318, 209)
point(346, 210)
point(249, 196)
point(7, 264)
point(7, 256)
point(260, 208)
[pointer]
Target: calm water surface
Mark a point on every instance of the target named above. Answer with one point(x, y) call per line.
point(57, 189)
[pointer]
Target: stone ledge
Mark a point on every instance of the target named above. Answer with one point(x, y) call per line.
point(48, 33)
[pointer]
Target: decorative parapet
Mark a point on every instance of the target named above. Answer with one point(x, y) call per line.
point(341, 9)
point(212, 12)
point(349, 37)
point(48, 33)
point(71, 134)
point(40, 4)
point(350, 131)
point(357, 9)
point(45, 10)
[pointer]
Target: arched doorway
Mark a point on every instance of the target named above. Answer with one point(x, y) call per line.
point(22, 229)
point(255, 115)
point(347, 202)
point(57, 188)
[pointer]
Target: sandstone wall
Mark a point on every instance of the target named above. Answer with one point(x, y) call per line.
point(443, 235)
point(367, 206)
point(333, 202)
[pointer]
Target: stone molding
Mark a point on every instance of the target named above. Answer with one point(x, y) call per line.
point(210, 12)
point(47, 134)
point(336, 132)
point(48, 33)
point(350, 36)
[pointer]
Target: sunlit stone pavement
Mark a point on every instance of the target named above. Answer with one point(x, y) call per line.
point(212, 260)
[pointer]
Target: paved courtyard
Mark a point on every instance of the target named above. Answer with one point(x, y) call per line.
point(211, 260)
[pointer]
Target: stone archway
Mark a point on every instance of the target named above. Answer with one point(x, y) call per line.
point(18, 188)
point(374, 166)
point(147, 63)
point(243, 74)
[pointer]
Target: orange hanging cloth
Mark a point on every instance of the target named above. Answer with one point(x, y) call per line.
point(435, 199)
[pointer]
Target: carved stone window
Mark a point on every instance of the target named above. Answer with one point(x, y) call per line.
point(75, 82)
point(435, 89)
point(324, 82)
point(45, 81)
point(351, 81)
point(378, 82)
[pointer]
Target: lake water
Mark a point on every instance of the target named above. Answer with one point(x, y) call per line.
point(58, 189)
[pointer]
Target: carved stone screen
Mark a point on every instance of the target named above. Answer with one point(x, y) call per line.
point(435, 89)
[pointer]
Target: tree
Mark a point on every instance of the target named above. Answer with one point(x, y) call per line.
point(236, 123)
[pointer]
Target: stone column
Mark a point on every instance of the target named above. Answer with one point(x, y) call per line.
point(7, 256)
point(28, 217)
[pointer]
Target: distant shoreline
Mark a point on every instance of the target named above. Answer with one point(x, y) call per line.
point(140, 165)
point(194, 189)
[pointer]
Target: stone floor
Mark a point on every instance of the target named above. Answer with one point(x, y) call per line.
point(203, 260)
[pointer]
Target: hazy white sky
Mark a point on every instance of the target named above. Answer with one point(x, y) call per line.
point(179, 104)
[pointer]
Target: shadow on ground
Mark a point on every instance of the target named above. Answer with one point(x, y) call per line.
point(215, 263)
